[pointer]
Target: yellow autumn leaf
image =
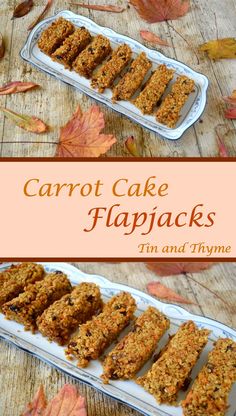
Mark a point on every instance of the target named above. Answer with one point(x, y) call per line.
point(220, 49)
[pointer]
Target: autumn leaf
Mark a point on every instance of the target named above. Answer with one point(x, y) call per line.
point(81, 136)
point(2, 46)
point(160, 10)
point(231, 99)
point(163, 292)
point(41, 16)
point(175, 268)
point(38, 405)
point(220, 49)
point(221, 130)
point(101, 8)
point(230, 113)
point(32, 124)
point(131, 146)
point(23, 8)
point(17, 87)
point(151, 37)
point(67, 403)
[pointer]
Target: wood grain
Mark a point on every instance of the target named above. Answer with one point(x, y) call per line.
point(55, 102)
point(23, 373)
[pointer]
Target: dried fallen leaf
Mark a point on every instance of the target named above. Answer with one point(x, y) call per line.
point(32, 124)
point(231, 99)
point(17, 87)
point(163, 292)
point(38, 404)
point(151, 37)
point(66, 403)
point(230, 113)
point(170, 269)
point(81, 136)
point(41, 16)
point(2, 46)
point(131, 146)
point(101, 8)
point(161, 10)
point(23, 8)
point(221, 130)
point(220, 49)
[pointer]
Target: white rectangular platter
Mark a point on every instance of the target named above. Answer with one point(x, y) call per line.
point(127, 392)
point(191, 111)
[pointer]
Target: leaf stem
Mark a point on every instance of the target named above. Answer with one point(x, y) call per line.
point(208, 289)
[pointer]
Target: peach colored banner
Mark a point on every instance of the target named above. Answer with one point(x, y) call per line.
point(119, 209)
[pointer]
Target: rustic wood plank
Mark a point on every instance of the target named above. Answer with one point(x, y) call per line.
point(55, 102)
point(23, 373)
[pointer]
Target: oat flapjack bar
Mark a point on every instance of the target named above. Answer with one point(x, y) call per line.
point(30, 304)
point(55, 35)
point(60, 320)
point(14, 280)
point(96, 335)
point(210, 391)
point(154, 89)
point(92, 56)
point(108, 72)
point(169, 373)
point(169, 111)
point(72, 46)
point(133, 79)
point(132, 352)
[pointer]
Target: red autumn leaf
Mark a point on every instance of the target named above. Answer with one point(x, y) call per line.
point(17, 87)
point(161, 10)
point(81, 136)
point(32, 124)
point(170, 269)
point(131, 146)
point(163, 292)
point(230, 114)
point(101, 8)
point(66, 403)
point(151, 37)
point(2, 46)
point(221, 130)
point(41, 16)
point(38, 405)
point(23, 8)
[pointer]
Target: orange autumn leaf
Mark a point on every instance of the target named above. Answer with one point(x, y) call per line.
point(101, 8)
point(22, 8)
point(29, 123)
point(163, 292)
point(175, 268)
point(131, 146)
point(42, 14)
point(17, 87)
point(82, 137)
point(220, 48)
point(66, 403)
point(151, 37)
point(161, 10)
point(38, 404)
point(231, 99)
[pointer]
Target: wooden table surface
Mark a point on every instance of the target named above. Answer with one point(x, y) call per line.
point(56, 102)
point(21, 374)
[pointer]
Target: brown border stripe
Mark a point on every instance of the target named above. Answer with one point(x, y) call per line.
point(118, 159)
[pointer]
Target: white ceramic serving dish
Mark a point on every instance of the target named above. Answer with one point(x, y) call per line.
point(191, 111)
point(127, 392)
